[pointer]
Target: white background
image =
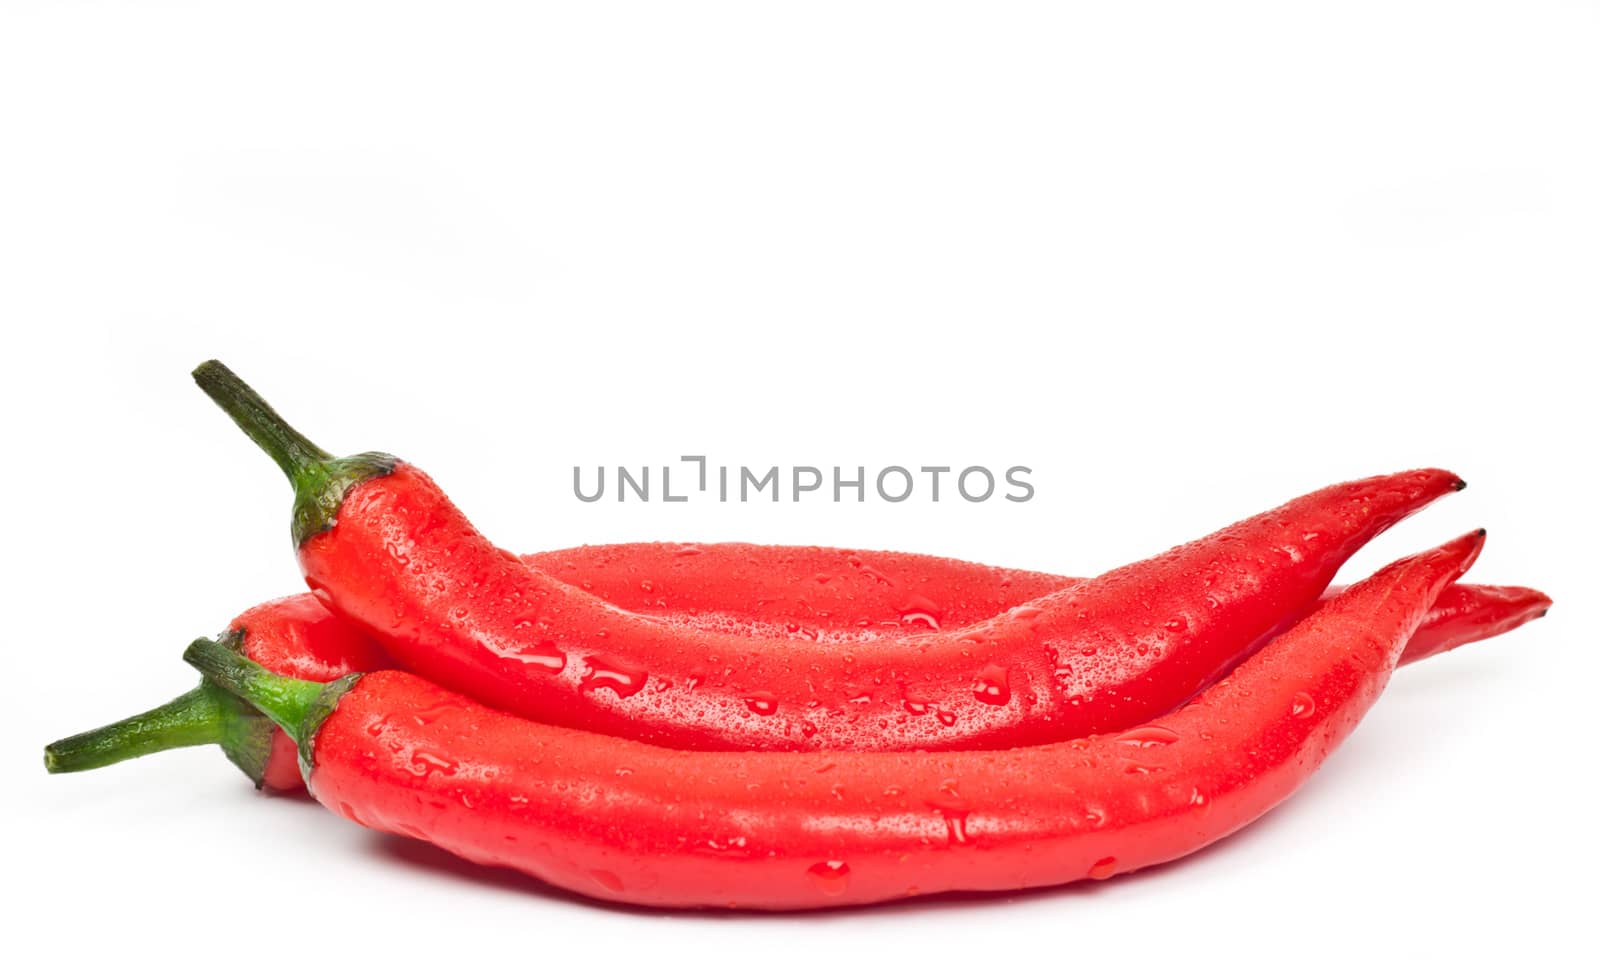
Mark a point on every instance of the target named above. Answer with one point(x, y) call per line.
point(1184, 260)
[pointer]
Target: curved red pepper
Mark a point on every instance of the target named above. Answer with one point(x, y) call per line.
point(780, 592)
point(383, 545)
point(1124, 647)
point(833, 594)
point(1466, 613)
point(621, 820)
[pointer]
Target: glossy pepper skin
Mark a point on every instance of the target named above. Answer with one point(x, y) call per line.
point(1467, 613)
point(833, 594)
point(626, 821)
point(811, 592)
point(806, 590)
point(381, 544)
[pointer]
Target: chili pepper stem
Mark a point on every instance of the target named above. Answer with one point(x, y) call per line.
point(283, 700)
point(287, 446)
point(203, 716)
point(298, 706)
point(196, 718)
point(320, 480)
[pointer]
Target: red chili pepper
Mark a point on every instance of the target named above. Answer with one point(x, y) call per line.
point(622, 820)
point(298, 637)
point(381, 544)
point(851, 595)
point(1467, 613)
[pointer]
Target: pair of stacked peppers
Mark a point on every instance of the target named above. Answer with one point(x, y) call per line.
point(728, 725)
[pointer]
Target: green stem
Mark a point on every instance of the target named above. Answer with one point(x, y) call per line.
point(320, 481)
point(287, 446)
point(197, 718)
point(283, 700)
point(298, 706)
point(202, 716)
